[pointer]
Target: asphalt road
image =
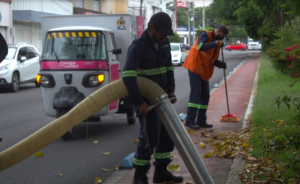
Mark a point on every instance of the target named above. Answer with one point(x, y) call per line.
point(78, 161)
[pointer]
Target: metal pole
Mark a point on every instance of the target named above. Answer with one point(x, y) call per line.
point(174, 15)
point(203, 23)
point(183, 143)
point(141, 7)
point(189, 24)
point(193, 21)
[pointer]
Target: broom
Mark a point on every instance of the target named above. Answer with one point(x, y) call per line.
point(227, 117)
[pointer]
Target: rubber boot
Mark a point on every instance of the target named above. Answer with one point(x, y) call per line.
point(204, 125)
point(192, 125)
point(140, 177)
point(162, 174)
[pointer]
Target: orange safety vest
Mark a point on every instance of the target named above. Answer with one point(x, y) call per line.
point(202, 62)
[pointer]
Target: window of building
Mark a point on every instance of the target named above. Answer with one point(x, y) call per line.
point(96, 5)
point(78, 3)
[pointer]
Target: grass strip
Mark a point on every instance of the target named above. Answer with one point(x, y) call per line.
point(275, 134)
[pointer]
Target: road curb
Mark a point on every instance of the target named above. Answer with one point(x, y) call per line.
point(238, 162)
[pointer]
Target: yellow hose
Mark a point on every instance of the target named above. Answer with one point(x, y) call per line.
point(79, 113)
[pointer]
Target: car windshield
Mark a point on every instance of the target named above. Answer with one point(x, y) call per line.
point(174, 47)
point(11, 53)
point(74, 45)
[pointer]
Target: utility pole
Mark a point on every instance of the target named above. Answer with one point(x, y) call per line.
point(175, 15)
point(193, 21)
point(141, 7)
point(203, 24)
point(189, 24)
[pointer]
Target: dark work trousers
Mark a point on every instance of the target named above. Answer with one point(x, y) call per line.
point(199, 98)
point(153, 138)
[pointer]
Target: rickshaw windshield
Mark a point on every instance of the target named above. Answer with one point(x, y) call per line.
point(74, 45)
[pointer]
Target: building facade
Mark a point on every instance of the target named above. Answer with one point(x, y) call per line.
point(27, 16)
point(6, 20)
point(149, 8)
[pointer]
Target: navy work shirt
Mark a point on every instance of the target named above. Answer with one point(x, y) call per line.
point(145, 60)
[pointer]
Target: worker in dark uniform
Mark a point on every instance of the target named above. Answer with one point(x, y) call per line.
point(149, 56)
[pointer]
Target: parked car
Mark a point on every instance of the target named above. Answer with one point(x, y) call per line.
point(20, 66)
point(254, 45)
point(178, 54)
point(236, 46)
point(185, 46)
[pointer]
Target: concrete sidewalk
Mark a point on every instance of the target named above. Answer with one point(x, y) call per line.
point(239, 86)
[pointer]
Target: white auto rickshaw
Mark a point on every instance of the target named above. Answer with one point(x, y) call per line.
point(77, 61)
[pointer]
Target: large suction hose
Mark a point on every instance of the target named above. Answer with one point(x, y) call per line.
point(94, 103)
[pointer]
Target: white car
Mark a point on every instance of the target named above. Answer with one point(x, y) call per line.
point(178, 54)
point(253, 45)
point(20, 66)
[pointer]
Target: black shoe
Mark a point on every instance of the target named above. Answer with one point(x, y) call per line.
point(192, 125)
point(140, 177)
point(204, 125)
point(162, 175)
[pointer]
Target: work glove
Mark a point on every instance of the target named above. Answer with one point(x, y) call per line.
point(143, 108)
point(171, 95)
point(220, 44)
point(223, 65)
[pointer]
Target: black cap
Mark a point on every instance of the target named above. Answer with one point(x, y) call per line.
point(224, 30)
point(163, 22)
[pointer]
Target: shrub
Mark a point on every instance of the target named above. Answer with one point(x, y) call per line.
point(284, 52)
point(174, 38)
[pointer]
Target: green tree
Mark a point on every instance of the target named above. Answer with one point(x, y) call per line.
point(174, 38)
point(237, 32)
point(249, 17)
point(224, 11)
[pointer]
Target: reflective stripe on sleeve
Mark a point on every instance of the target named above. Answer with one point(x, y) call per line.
point(199, 45)
point(129, 73)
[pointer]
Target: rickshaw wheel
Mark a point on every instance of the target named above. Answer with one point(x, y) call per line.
point(131, 118)
point(68, 135)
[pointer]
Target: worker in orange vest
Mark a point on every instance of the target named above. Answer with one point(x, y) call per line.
point(200, 64)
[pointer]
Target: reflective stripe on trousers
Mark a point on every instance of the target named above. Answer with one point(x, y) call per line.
point(199, 98)
point(153, 138)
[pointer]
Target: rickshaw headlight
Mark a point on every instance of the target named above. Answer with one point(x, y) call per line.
point(93, 79)
point(45, 80)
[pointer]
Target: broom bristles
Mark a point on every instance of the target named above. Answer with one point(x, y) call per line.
point(229, 118)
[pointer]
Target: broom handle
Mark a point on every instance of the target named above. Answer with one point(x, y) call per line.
point(225, 83)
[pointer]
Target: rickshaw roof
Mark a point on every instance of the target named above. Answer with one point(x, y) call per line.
point(80, 28)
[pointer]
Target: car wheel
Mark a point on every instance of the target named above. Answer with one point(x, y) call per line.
point(180, 62)
point(15, 82)
point(228, 49)
point(242, 49)
point(69, 134)
point(131, 118)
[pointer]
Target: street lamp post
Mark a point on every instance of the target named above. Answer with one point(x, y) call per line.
point(203, 24)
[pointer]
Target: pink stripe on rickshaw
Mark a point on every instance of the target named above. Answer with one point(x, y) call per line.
point(71, 65)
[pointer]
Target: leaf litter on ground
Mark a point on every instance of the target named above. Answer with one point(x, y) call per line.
point(257, 169)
